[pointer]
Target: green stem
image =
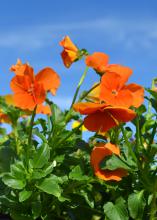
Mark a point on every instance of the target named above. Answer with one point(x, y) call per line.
point(68, 116)
point(15, 132)
point(149, 103)
point(153, 211)
point(86, 93)
point(79, 85)
point(153, 134)
point(31, 126)
point(70, 133)
point(138, 135)
point(128, 144)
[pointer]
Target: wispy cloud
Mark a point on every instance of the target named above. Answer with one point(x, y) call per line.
point(132, 33)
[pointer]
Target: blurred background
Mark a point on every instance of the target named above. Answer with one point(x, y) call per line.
point(31, 30)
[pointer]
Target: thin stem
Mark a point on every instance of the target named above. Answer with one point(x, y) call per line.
point(31, 126)
point(70, 133)
point(153, 134)
point(128, 144)
point(149, 103)
point(86, 93)
point(68, 116)
point(138, 135)
point(79, 85)
point(15, 132)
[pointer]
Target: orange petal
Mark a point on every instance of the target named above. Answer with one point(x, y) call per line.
point(107, 175)
point(4, 118)
point(97, 61)
point(110, 81)
point(100, 151)
point(98, 154)
point(67, 60)
point(20, 84)
point(123, 71)
point(121, 114)
point(99, 121)
point(25, 100)
point(43, 109)
point(22, 69)
point(68, 44)
point(87, 107)
point(137, 93)
point(18, 68)
point(111, 91)
point(49, 78)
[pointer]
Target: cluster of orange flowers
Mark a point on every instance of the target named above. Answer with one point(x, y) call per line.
point(109, 102)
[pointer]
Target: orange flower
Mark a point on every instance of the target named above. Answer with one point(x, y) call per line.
point(4, 118)
point(99, 152)
point(30, 90)
point(114, 91)
point(97, 61)
point(102, 117)
point(41, 109)
point(19, 68)
point(70, 52)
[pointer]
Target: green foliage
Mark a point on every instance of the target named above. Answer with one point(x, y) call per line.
point(41, 156)
point(116, 211)
point(136, 204)
point(46, 170)
point(50, 186)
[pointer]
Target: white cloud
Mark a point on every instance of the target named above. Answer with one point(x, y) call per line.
point(133, 33)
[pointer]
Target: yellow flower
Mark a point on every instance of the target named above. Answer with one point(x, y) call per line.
point(75, 124)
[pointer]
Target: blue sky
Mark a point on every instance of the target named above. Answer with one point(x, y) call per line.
point(31, 30)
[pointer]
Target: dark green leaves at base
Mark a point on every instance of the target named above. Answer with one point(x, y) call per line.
point(116, 211)
point(136, 204)
point(13, 182)
point(41, 156)
point(24, 195)
point(77, 174)
point(50, 186)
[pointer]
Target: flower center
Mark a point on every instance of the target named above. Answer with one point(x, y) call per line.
point(114, 92)
point(31, 89)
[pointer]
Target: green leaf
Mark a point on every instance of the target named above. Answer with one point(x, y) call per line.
point(18, 170)
point(153, 93)
point(136, 204)
point(20, 216)
point(113, 163)
point(89, 199)
point(154, 146)
point(140, 110)
point(50, 186)
point(36, 209)
point(6, 155)
point(117, 211)
point(77, 174)
point(57, 114)
point(24, 195)
point(41, 156)
point(38, 174)
point(13, 183)
point(39, 134)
